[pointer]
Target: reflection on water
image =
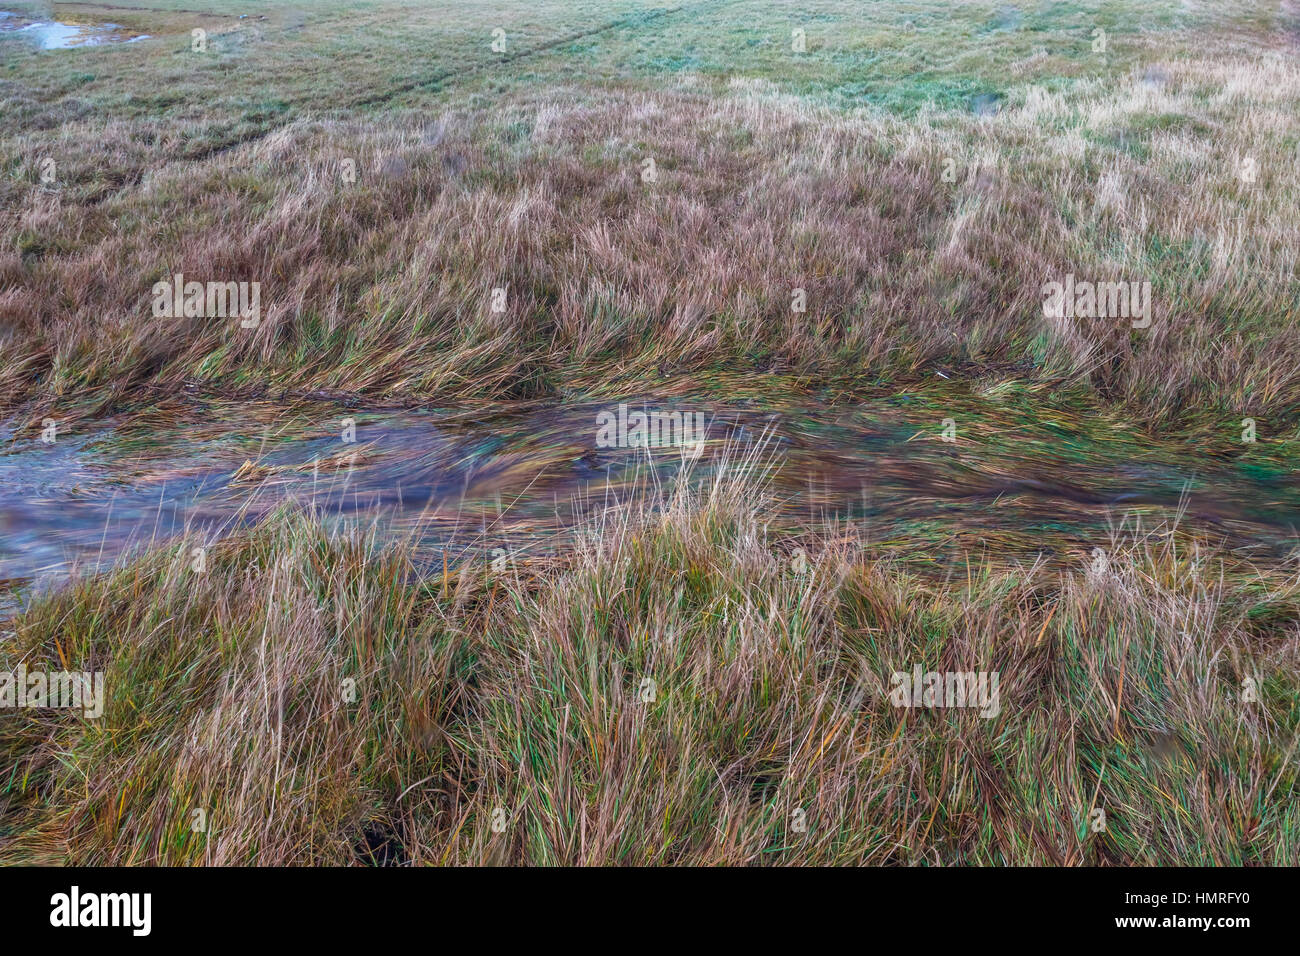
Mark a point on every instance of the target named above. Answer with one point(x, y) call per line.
point(53, 35)
point(467, 483)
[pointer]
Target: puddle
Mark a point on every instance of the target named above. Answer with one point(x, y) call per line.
point(55, 35)
point(986, 104)
point(463, 484)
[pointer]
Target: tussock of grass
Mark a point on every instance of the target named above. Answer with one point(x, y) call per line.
point(1120, 690)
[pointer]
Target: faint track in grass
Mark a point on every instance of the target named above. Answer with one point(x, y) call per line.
point(253, 136)
point(545, 47)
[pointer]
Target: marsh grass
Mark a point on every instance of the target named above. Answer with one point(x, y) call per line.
point(504, 717)
point(523, 174)
point(525, 692)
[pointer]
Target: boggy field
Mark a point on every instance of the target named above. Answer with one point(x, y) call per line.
point(309, 313)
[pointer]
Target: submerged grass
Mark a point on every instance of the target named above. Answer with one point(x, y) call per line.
point(680, 688)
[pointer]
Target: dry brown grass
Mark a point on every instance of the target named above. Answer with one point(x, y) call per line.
point(384, 286)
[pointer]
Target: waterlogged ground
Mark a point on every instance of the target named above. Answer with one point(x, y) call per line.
point(57, 35)
point(1012, 485)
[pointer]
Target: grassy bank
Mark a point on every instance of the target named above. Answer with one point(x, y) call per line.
point(680, 689)
point(822, 170)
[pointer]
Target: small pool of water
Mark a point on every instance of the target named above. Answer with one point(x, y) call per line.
point(55, 35)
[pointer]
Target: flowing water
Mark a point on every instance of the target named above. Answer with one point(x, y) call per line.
point(468, 482)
